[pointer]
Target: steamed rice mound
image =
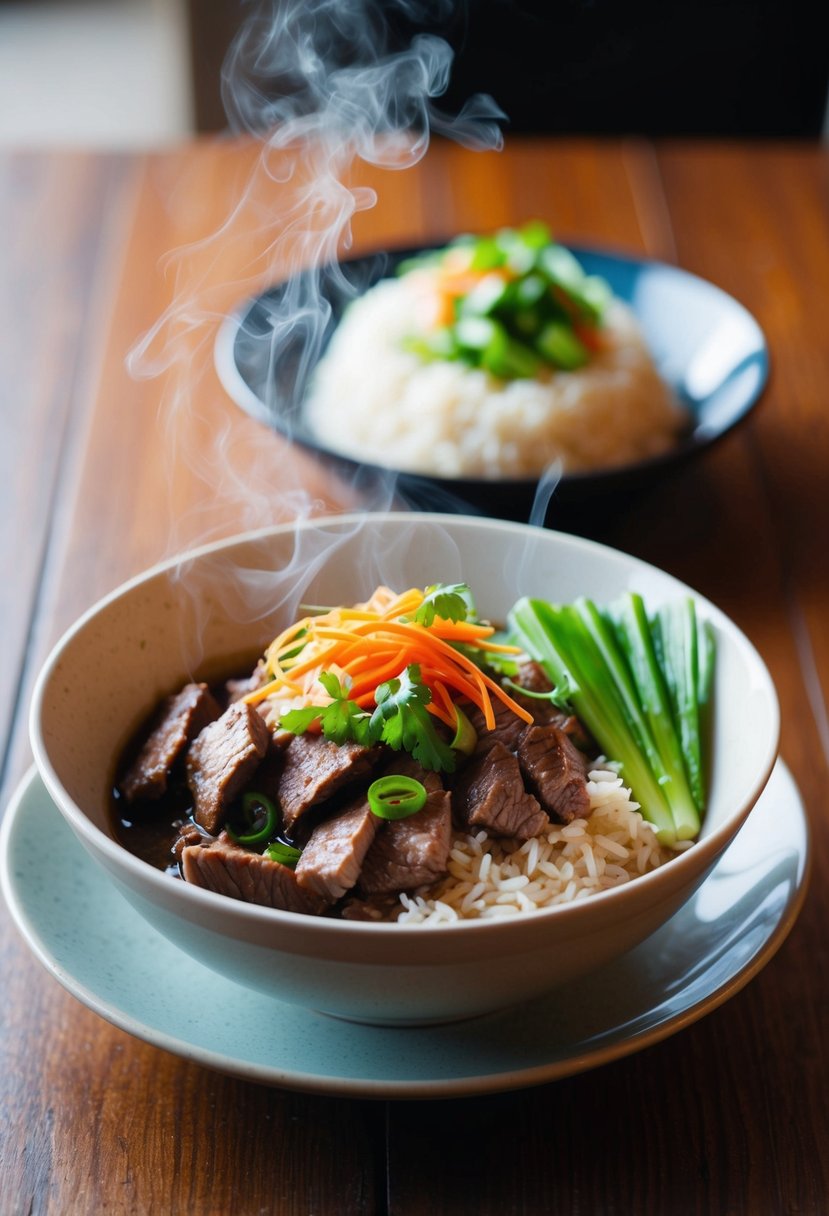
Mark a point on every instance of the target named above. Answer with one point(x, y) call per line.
point(376, 402)
point(495, 878)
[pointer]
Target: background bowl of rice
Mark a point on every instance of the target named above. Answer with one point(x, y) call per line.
point(537, 916)
point(453, 439)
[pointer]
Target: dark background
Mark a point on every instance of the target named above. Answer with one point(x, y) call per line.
point(740, 68)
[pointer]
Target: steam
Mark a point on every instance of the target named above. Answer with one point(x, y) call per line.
point(319, 86)
point(546, 488)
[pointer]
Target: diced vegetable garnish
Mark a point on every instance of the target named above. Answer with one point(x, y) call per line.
point(396, 797)
point(285, 854)
point(639, 687)
point(389, 671)
point(261, 820)
point(511, 303)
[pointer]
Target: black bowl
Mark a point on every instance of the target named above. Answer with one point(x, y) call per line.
point(706, 345)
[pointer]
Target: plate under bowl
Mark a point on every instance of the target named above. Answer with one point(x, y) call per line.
point(707, 346)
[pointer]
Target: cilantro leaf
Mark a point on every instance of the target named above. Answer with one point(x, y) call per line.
point(341, 722)
point(402, 721)
point(449, 601)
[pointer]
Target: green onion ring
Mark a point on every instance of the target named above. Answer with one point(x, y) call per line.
point(466, 737)
point(396, 797)
point(249, 801)
point(285, 854)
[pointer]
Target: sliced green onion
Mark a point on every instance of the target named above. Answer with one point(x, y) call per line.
point(528, 297)
point(285, 854)
point(478, 333)
point(487, 254)
point(252, 806)
point(485, 298)
point(559, 345)
point(466, 736)
point(396, 797)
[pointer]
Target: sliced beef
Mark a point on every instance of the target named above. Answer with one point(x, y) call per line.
point(314, 769)
point(377, 907)
point(489, 792)
point(331, 861)
point(508, 726)
point(181, 718)
point(533, 677)
point(222, 761)
point(227, 869)
point(238, 688)
point(190, 834)
point(555, 770)
point(408, 853)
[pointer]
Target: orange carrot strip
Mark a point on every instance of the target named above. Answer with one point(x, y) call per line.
point(370, 683)
point(409, 601)
point(267, 690)
point(443, 705)
point(507, 700)
point(316, 661)
point(468, 630)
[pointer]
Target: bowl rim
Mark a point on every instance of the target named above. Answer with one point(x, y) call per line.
point(190, 899)
point(242, 395)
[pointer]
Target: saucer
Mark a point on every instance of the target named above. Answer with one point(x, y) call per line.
point(88, 937)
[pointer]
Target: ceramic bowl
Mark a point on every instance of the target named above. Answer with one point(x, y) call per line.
point(706, 345)
point(218, 606)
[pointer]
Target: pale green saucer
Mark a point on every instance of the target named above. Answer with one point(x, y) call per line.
point(91, 940)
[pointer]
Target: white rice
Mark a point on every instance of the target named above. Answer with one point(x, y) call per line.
point(490, 877)
point(377, 402)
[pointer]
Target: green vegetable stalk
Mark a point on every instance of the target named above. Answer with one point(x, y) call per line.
point(642, 690)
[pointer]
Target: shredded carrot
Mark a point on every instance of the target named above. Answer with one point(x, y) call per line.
point(368, 644)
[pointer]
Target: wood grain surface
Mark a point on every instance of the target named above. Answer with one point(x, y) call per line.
point(117, 449)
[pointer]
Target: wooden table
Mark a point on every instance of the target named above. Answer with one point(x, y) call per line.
point(102, 473)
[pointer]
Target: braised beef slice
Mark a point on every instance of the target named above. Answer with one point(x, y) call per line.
point(314, 769)
point(533, 677)
point(555, 770)
point(181, 718)
point(376, 907)
point(409, 853)
point(508, 726)
point(238, 688)
point(489, 792)
point(223, 760)
point(190, 834)
point(331, 860)
point(230, 870)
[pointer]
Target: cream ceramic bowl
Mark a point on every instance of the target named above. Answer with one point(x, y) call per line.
point(218, 606)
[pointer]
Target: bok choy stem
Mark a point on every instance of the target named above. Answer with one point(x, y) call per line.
point(559, 639)
point(641, 688)
point(633, 632)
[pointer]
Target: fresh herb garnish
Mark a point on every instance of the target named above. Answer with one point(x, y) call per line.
point(449, 601)
point(341, 721)
point(401, 719)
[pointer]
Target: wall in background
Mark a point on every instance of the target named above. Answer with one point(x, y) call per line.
point(94, 73)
